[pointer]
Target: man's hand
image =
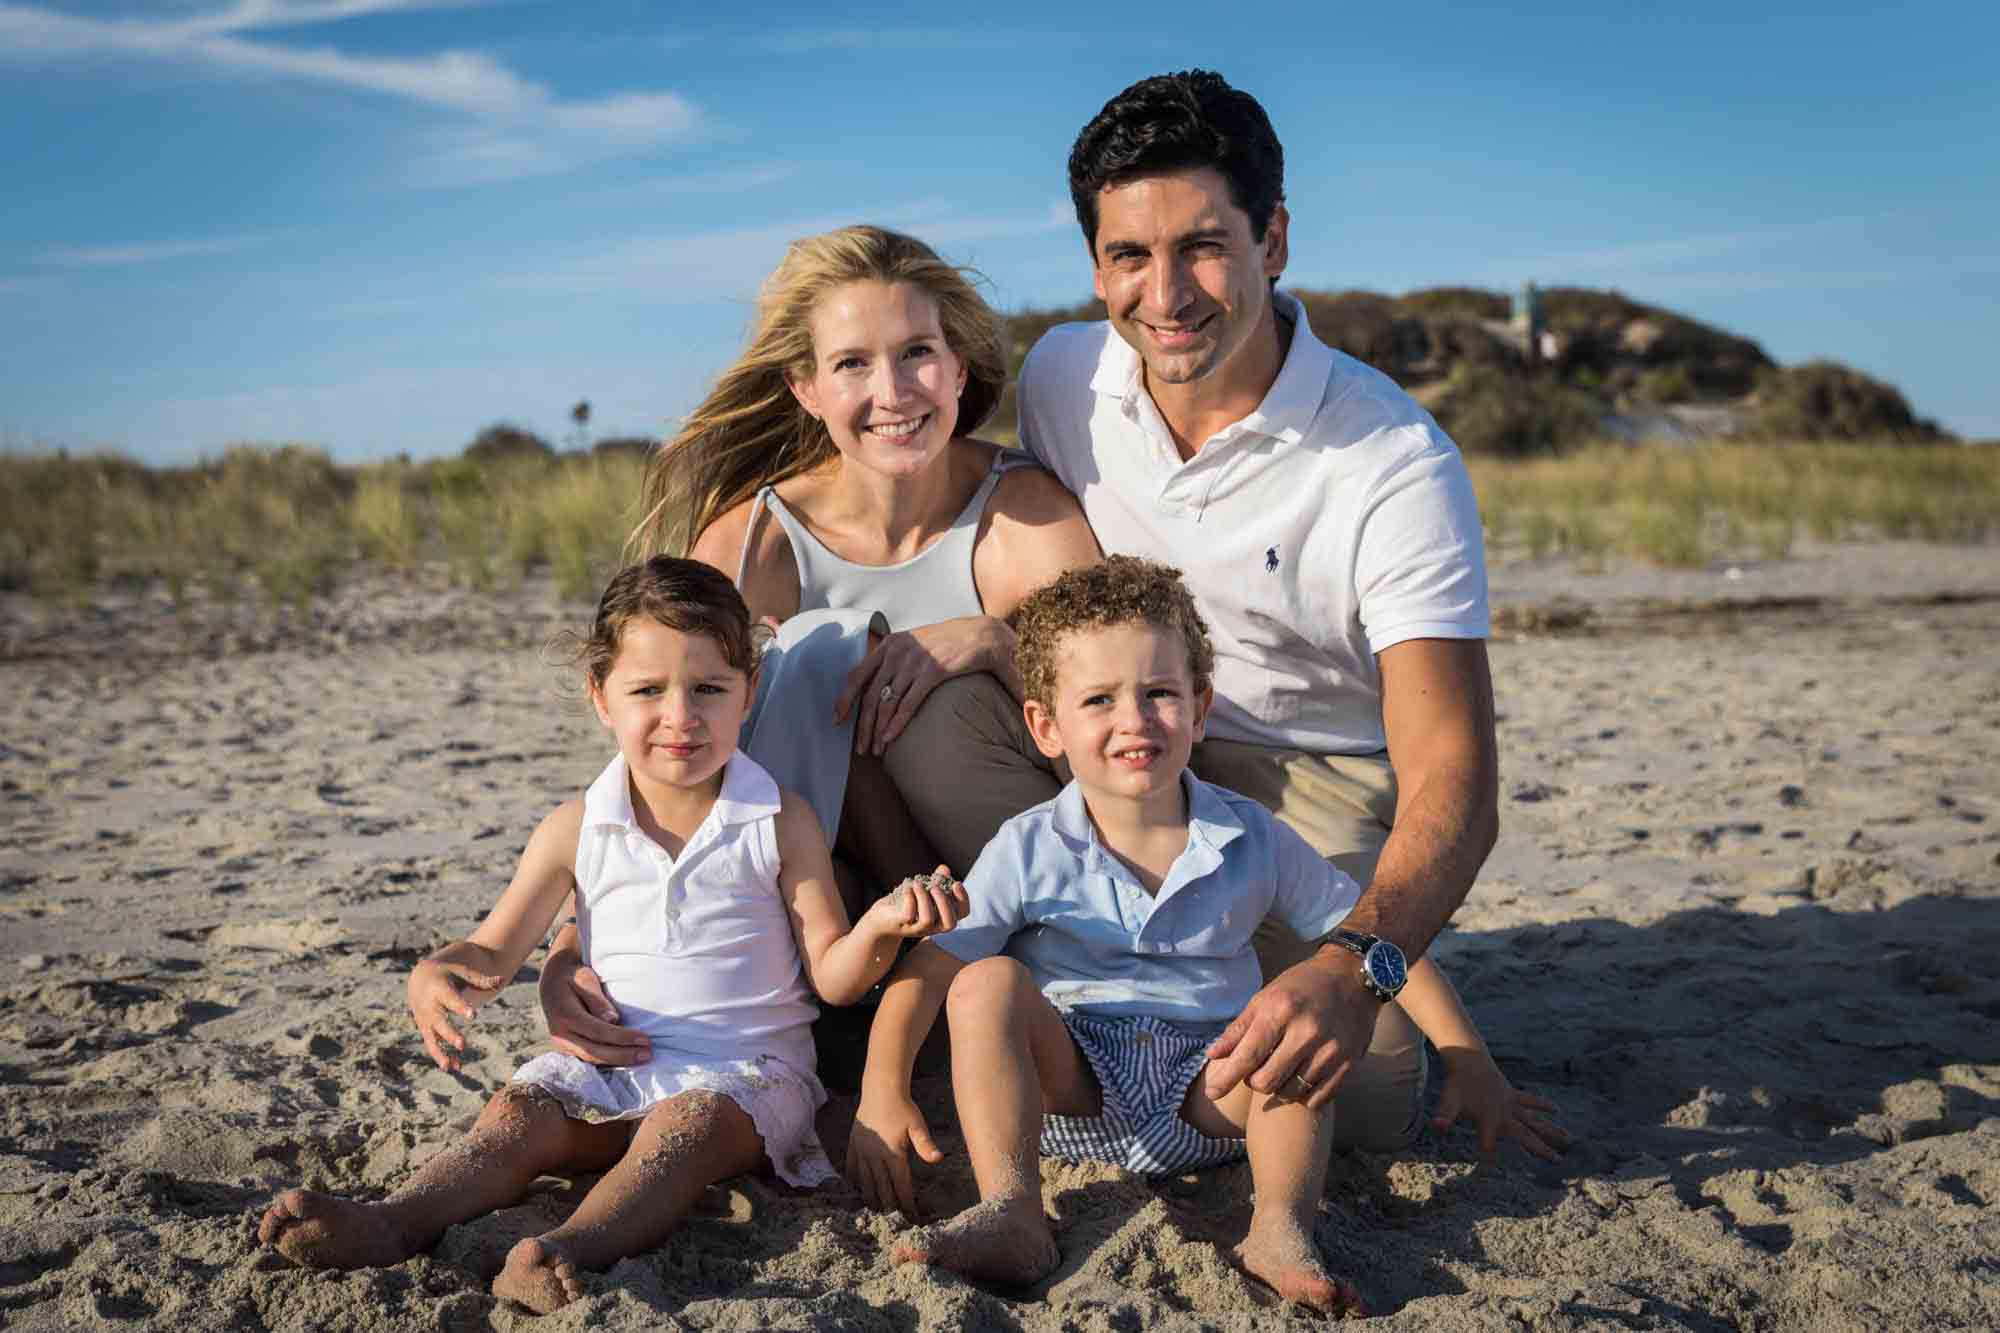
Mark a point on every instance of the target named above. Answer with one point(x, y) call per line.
point(437, 989)
point(582, 1020)
point(878, 1152)
point(1299, 1035)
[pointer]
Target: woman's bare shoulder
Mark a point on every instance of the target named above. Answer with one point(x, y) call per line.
point(769, 578)
point(1029, 494)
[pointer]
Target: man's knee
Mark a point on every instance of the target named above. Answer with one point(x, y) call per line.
point(965, 712)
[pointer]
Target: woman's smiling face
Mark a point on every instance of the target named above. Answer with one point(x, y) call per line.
point(883, 378)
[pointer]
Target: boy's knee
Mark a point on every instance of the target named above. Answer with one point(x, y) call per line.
point(985, 989)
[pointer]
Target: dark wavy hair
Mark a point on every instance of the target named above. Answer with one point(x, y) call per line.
point(1178, 122)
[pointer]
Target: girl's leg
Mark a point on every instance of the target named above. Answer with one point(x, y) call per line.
point(1012, 1061)
point(1289, 1145)
point(521, 1134)
point(683, 1146)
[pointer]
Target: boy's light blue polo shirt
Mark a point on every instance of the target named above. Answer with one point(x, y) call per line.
point(1047, 892)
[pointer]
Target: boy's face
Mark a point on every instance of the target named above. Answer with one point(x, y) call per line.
point(1125, 711)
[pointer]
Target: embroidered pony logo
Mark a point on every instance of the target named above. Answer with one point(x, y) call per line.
point(1271, 561)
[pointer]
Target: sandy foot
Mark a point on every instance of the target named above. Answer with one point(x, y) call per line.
point(538, 1276)
point(323, 1231)
point(1284, 1259)
point(1007, 1241)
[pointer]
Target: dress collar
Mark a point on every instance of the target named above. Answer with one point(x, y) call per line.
point(748, 793)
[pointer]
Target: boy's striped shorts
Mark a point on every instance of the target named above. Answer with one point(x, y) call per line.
point(1144, 1067)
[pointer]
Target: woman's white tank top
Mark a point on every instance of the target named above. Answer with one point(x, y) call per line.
point(934, 584)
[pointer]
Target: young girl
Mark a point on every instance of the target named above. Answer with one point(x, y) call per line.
point(706, 903)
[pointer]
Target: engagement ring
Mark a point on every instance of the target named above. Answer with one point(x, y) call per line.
point(888, 693)
point(1300, 1079)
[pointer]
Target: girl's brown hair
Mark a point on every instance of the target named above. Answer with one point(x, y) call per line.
point(683, 595)
point(750, 431)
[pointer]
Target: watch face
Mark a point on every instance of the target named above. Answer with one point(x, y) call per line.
point(1386, 967)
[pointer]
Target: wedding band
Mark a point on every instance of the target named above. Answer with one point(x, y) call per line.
point(1300, 1079)
point(888, 693)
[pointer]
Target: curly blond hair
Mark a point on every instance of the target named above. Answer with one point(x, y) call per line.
point(750, 431)
point(1122, 590)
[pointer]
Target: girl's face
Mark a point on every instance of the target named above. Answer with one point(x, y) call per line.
point(673, 703)
point(883, 379)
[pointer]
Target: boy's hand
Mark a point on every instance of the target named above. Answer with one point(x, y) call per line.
point(437, 989)
point(1474, 1086)
point(921, 905)
point(878, 1152)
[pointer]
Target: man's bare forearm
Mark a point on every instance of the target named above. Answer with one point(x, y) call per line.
point(1444, 829)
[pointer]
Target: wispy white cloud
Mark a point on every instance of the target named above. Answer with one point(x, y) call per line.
point(512, 125)
point(699, 266)
point(252, 15)
point(147, 252)
point(729, 263)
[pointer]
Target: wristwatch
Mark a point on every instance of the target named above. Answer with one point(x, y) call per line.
point(1383, 967)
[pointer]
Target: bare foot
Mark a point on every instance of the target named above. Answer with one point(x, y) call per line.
point(323, 1231)
point(538, 1276)
point(1007, 1241)
point(1283, 1258)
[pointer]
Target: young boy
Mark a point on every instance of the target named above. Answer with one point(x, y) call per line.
point(1108, 943)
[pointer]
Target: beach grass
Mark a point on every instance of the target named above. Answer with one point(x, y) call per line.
point(285, 523)
point(1685, 505)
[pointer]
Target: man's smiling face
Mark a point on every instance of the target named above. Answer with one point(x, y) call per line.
point(1185, 282)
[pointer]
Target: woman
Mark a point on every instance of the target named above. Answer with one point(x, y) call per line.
point(829, 471)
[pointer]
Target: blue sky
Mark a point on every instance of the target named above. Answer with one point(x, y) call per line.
point(378, 225)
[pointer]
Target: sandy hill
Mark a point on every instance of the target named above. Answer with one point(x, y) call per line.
point(1608, 366)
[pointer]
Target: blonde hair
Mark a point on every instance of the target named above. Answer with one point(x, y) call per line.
point(750, 431)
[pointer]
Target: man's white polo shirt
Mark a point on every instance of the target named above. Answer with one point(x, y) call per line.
point(1330, 523)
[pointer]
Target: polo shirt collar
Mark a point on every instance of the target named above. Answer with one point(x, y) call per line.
point(748, 793)
point(1290, 404)
point(1211, 822)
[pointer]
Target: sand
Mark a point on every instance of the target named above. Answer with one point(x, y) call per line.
point(1743, 924)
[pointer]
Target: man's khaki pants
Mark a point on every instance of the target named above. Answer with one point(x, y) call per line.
point(966, 764)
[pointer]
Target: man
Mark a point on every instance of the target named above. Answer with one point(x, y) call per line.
point(1328, 530)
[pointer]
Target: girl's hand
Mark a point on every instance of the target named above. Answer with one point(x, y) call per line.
point(878, 1152)
point(1474, 1086)
point(437, 989)
point(901, 670)
point(921, 905)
